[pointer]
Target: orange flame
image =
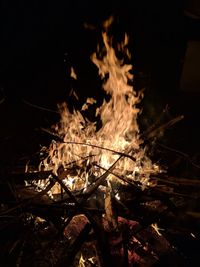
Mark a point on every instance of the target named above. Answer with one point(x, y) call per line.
point(94, 150)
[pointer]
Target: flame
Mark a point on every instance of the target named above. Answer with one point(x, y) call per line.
point(157, 229)
point(73, 73)
point(87, 151)
point(81, 261)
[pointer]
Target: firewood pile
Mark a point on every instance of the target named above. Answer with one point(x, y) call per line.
point(133, 227)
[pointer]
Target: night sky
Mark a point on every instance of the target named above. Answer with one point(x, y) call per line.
point(40, 40)
point(36, 37)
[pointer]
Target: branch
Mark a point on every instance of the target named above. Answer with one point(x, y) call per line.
point(39, 107)
point(184, 155)
point(59, 138)
point(163, 127)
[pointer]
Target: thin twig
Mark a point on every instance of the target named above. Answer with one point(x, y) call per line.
point(163, 127)
point(39, 107)
point(99, 181)
point(86, 144)
point(73, 198)
point(2, 100)
point(118, 176)
point(101, 147)
point(176, 181)
point(29, 176)
point(58, 137)
point(184, 155)
point(81, 159)
point(26, 202)
point(154, 125)
point(176, 194)
point(4, 97)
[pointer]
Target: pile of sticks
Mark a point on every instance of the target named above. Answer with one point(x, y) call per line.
point(80, 229)
point(139, 227)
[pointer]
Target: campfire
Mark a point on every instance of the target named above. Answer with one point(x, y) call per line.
point(86, 150)
point(97, 197)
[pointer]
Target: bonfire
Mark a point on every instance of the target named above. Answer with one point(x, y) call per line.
point(97, 198)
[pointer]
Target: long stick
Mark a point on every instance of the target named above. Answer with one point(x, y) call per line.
point(86, 144)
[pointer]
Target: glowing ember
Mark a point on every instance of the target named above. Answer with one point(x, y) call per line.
point(87, 152)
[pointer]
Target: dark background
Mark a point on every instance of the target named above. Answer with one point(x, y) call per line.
point(40, 40)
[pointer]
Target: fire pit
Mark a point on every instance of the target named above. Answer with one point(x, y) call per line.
point(97, 197)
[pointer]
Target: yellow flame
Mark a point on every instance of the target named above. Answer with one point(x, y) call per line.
point(73, 73)
point(107, 23)
point(81, 261)
point(119, 132)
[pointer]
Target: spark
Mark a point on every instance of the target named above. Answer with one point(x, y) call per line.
point(117, 196)
point(193, 235)
point(73, 74)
